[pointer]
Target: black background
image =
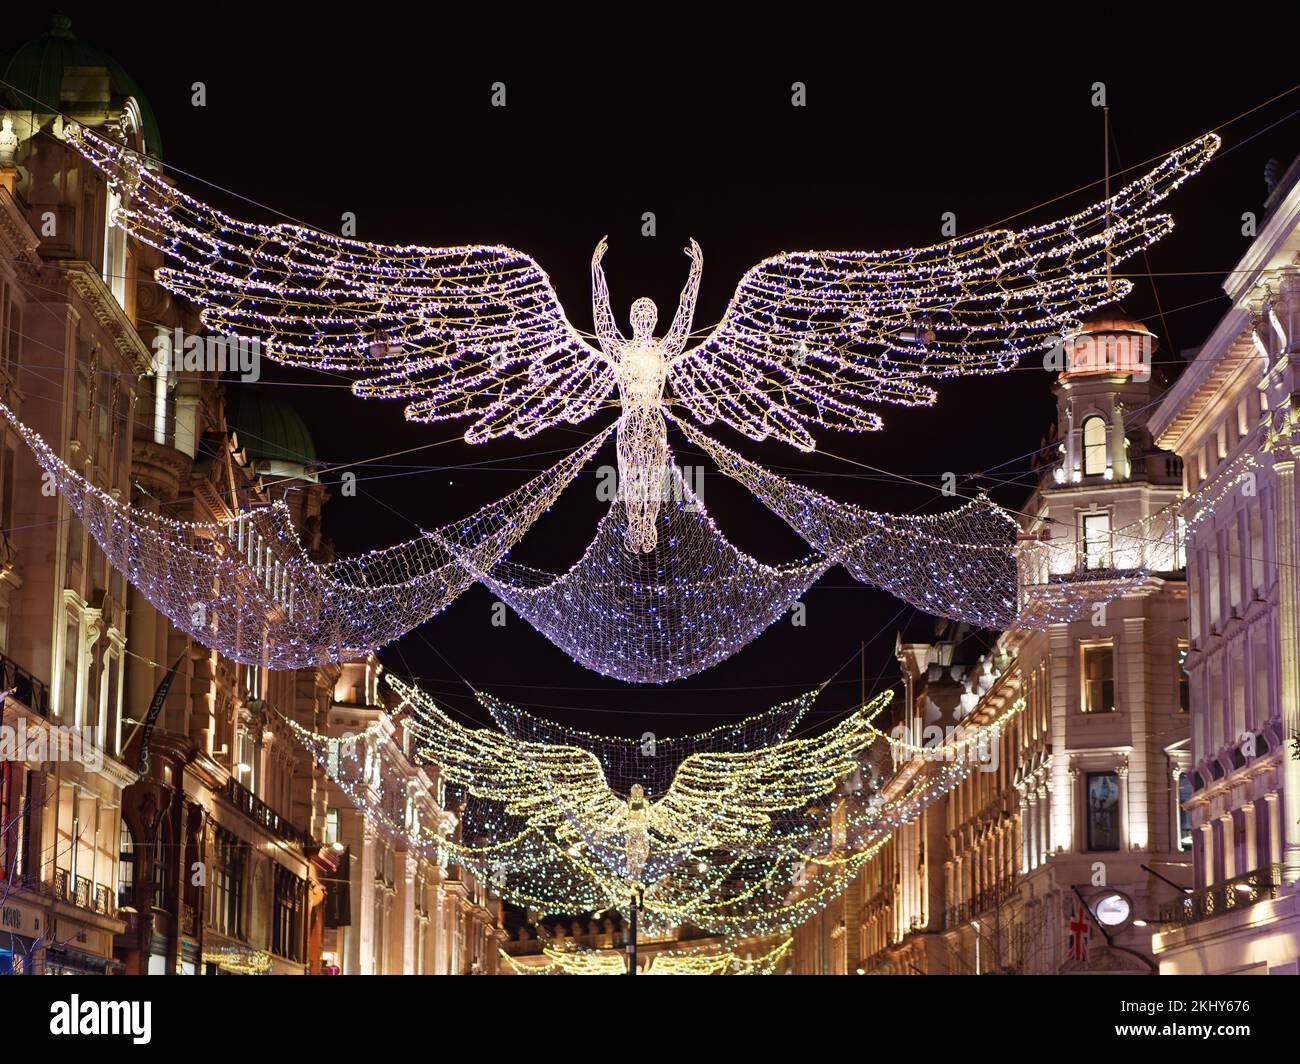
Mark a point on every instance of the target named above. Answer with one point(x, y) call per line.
point(387, 113)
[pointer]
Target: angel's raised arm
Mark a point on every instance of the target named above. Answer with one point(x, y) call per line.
point(607, 331)
point(680, 332)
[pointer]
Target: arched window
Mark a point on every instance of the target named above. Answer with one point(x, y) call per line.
point(1094, 447)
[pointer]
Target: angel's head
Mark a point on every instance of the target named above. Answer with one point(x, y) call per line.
point(644, 316)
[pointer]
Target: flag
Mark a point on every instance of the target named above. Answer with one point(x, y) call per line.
point(1080, 932)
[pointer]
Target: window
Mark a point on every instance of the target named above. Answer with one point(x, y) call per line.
point(1098, 668)
point(227, 907)
point(125, 866)
point(162, 864)
point(1103, 810)
point(1256, 525)
point(71, 670)
point(253, 681)
point(288, 907)
point(114, 249)
point(1094, 447)
point(1184, 817)
point(1259, 656)
point(246, 765)
point(1096, 540)
point(331, 826)
point(1184, 681)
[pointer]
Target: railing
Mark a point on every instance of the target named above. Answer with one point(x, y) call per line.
point(982, 902)
point(1228, 896)
point(77, 890)
point(27, 689)
point(257, 810)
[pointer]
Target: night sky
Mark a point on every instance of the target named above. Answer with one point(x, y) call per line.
point(319, 114)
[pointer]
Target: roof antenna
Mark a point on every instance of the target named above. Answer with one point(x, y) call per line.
point(1105, 123)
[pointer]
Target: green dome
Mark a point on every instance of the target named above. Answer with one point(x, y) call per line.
point(38, 69)
point(268, 430)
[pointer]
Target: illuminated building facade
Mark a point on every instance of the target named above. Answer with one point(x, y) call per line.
point(1232, 419)
point(406, 913)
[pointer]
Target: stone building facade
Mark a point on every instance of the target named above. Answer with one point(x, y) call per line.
point(1232, 417)
point(193, 839)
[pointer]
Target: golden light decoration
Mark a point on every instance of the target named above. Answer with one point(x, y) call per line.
point(733, 835)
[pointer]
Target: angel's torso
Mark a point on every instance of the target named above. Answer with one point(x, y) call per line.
point(642, 370)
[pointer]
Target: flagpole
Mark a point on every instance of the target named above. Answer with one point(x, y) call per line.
point(1100, 927)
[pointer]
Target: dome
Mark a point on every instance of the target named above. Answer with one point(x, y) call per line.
point(1109, 345)
point(51, 70)
point(270, 431)
point(1114, 324)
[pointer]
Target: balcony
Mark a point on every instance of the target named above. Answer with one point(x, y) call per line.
point(984, 901)
point(257, 810)
point(1228, 896)
point(27, 689)
point(76, 890)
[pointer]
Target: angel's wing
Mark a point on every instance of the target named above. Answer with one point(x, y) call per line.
point(816, 337)
point(475, 332)
point(717, 798)
point(545, 784)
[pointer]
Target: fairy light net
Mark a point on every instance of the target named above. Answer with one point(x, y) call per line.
point(245, 587)
point(690, 601)
point(969, 564)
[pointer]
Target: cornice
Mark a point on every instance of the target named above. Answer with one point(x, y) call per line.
point(87, 283)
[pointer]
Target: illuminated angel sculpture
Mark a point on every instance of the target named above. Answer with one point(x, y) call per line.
point(809, 338)
point(700, 794)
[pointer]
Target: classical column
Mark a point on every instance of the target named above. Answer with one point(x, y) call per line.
point(1121, 770)
point(1028, 814)
point(1229, 847)
point(1251, 856)
point(1273, 812)
point(363, 904)
point(1207, 852)
point(406, 902)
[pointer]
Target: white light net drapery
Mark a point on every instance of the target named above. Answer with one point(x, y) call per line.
point(809, 338)
point(969, 564)
point(246, 588)
point(653, 616)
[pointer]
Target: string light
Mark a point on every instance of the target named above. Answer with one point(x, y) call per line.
point(692, 600)
point(245, 586)
point(969, 564)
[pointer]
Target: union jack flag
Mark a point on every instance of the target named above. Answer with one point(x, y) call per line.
point(1080, 932)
